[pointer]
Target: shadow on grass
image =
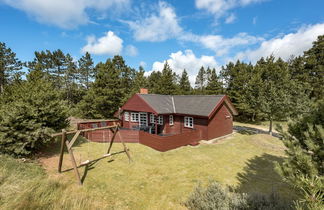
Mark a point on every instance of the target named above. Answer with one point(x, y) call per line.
point(250, 131)
point(259, 176)
point(53, 148)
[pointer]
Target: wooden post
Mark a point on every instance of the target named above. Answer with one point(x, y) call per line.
point(75, 168)
point(126, 150)
point(62, 150)
point(156, 126)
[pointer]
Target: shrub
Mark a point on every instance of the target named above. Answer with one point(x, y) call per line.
point(303, 167)
point(216, 196)
point(29, 113)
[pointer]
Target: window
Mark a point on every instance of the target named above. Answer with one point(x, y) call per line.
point(152, 120)
point(143, 118)
point(188, 122)
point(134, 117)
point(126, 116)
point(160, 120)
point(170, 119)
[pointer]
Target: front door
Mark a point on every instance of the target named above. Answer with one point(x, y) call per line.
point(143, 119)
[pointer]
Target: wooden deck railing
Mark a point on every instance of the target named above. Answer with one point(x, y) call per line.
point(165, 143)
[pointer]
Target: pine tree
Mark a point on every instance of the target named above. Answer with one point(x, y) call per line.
point(86, 70)
point(59, 65)
point(105, 95)
point(200, 81)
point(304, 167)
point(9, 65)
point(154, 82)
point(167, 81)
point(314, 66)
point(184, 84)
point(31, 111)
point(126, 75)
point(274, 94)
point(214, 87)
point(71, 89)
point(140, 81)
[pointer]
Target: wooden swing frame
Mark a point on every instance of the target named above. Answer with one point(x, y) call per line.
point(69, 144)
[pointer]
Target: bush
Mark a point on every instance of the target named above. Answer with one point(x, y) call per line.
point(303, 168)
point(216, 196)
point(29, 112)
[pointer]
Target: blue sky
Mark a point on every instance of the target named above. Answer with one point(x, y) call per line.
point(188, 34)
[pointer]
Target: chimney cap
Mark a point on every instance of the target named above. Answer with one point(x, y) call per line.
point(143, 91)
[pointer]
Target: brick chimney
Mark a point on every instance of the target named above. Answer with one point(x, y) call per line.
point(143, 91)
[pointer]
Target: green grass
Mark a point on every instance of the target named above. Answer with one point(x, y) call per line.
point(154, 180)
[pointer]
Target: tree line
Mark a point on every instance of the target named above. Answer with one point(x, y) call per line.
point(271, 89)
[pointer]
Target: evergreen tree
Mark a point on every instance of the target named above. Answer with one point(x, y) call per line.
point(140, 81)
point(304, 166)
point(9, 65)
point(31, 111)
point(43, 62)
point(184, 84)
point(200, 81)
point(71, 89)
point(314, 66)
point(59, 66)
point(126, 75)
point(86, 70)
point(154, 82)
point(214, 87)
point(105, 95)
point(274, 94)
point(167, 81)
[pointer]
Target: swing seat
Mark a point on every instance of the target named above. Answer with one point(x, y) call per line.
point(85, 162)
point(106, 155)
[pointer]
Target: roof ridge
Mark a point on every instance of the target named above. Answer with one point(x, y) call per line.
point(173, 104)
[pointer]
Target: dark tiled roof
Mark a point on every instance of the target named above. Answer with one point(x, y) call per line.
point(201, 105)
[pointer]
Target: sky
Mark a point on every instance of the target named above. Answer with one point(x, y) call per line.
point(186, 33)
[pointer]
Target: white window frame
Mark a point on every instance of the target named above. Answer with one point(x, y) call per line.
point(126, 116)
point(152, 118)
point(188, 122)
point(160, 120)
point(134, 117)
point(171, 120)
point(141, 114)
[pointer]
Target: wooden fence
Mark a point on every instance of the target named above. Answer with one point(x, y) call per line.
point(165, 143)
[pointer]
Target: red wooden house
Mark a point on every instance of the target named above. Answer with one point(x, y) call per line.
point(211, 116)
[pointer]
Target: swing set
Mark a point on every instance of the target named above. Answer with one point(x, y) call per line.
point(65, 143)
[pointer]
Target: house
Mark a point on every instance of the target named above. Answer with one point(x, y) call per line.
point(167, 115)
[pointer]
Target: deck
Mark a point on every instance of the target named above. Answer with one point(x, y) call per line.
point(129, 136)
point(157, 142)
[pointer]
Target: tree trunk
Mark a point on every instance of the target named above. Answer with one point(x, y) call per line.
point(270, 126)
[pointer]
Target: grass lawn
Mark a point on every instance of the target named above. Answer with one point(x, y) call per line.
point(154, 180)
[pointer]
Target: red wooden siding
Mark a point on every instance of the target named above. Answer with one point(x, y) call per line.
point(165, 143)
point(130, 136)
point(105, 135)
point(136, 103)
point(221, 123)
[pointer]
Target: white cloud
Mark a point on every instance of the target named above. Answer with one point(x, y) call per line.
point(131, 50)
point(186, 60)
point(221, 45)
point(110, 44)
point(230, 19)
point(286, 45)
point(157, 27)
point(65, 13)
point(143, 64)
point(220, 8)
